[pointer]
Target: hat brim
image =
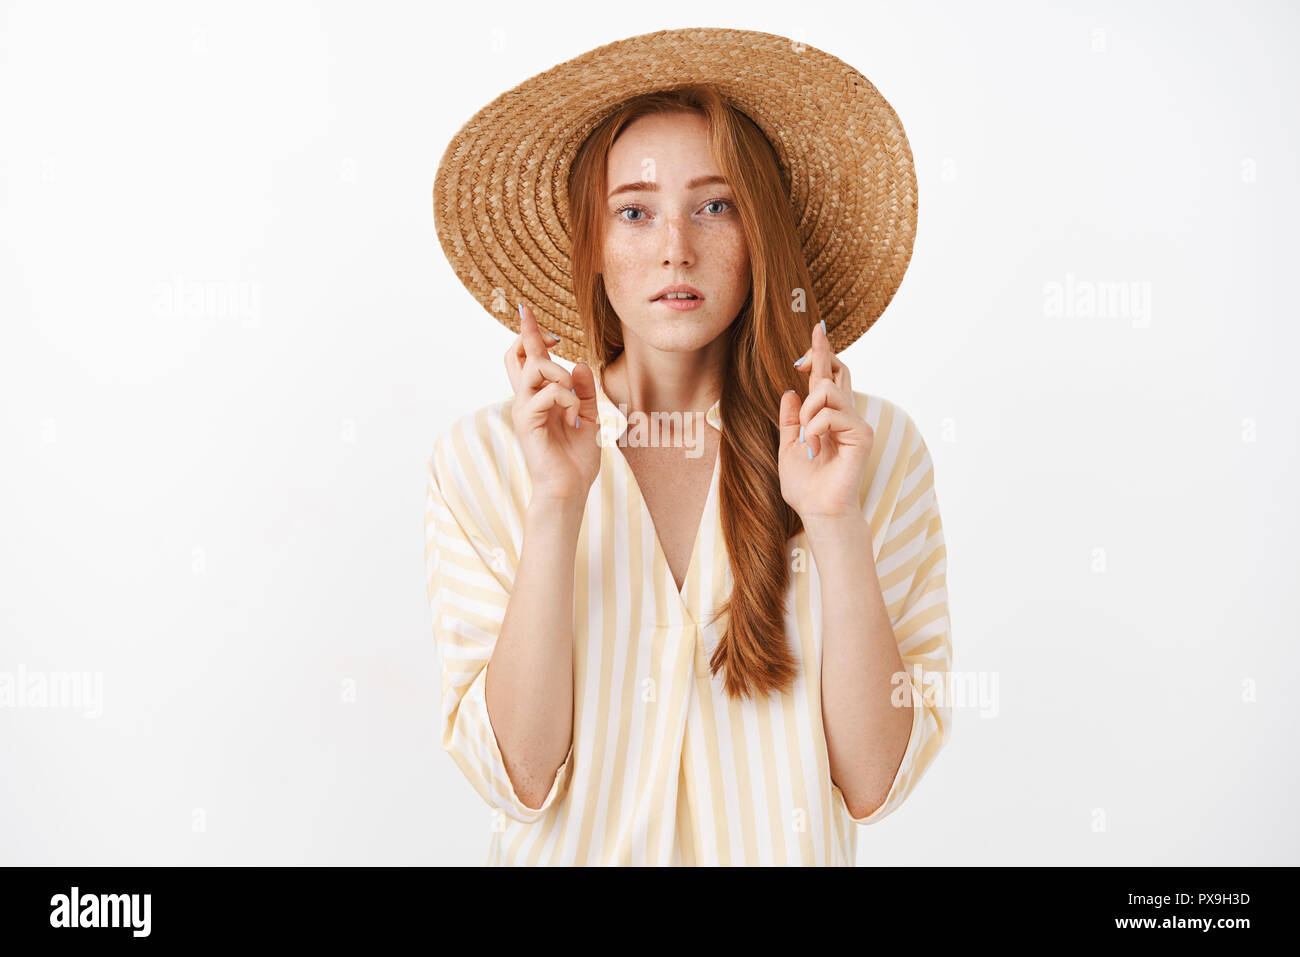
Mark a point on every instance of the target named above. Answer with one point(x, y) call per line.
point(500, 197)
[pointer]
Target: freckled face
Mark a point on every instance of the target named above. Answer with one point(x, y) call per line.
point(681, 232)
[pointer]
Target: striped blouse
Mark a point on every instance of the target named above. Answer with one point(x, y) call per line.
point(663, 767)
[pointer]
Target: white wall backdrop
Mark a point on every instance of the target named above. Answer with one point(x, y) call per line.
point(228, 339)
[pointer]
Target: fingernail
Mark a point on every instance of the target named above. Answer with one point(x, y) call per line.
point(798, 362)
point(788, 391)
point(810, 451)
point(824, 327)
point(801, 435)
point(521, 309)
point(554, 336)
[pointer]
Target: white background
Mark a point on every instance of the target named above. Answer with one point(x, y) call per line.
point(228, 338)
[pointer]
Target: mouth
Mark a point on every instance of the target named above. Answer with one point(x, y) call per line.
point(680, 292)
point(678, 303)
point(680, 297)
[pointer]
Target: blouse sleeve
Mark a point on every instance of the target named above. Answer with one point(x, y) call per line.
point(468, 589)
point(912, 566)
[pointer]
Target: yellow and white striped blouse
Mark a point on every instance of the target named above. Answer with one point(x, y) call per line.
point(664, 768)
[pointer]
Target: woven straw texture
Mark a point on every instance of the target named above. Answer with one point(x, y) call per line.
point(500, 194)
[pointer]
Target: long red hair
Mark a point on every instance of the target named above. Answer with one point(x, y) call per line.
point(772, 329)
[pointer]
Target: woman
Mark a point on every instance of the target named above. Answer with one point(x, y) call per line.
point(706, 640)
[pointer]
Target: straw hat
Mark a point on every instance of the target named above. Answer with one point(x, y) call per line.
point(500, 197)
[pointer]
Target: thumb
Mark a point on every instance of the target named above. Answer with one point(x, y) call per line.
point(789, 418)
point(584, 387)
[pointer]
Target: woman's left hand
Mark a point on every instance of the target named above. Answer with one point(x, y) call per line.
point(827, 484)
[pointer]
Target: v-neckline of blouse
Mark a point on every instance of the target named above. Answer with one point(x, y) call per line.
point(613, 424)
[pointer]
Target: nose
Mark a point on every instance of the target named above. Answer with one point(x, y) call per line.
point(678, 248)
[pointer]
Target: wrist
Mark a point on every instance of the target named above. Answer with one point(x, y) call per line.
point(545, 511)
point(838, 537)
point(833, 524)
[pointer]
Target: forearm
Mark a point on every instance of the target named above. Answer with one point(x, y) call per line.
point(529, 690)
point(866, 733)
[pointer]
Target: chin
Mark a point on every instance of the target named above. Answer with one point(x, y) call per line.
point(679, 335)
point(680, 340)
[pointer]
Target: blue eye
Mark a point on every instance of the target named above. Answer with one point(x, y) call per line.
point(632, 207)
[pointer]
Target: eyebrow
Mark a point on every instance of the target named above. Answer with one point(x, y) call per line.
point(644, 186)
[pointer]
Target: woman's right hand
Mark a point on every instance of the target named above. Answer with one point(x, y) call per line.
point(562, 460)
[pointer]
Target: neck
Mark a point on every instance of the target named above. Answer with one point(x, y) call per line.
point(653, 380)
